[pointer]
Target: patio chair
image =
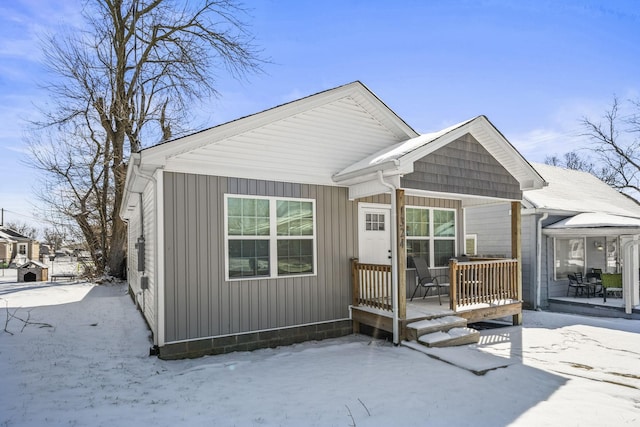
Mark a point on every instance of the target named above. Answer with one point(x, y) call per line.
point(426, 280)
point(577, 285)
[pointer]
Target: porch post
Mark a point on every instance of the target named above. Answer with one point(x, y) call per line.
point(516, 252)
point(401, 250)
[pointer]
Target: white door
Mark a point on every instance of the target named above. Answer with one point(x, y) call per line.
point(374, 234)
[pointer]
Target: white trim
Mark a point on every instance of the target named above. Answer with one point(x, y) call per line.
point(159, 249)
point(473, 236)
point(272, 238)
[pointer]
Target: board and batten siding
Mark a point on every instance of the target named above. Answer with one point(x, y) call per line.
point(145, 299)
point(199, 303)
point(463, 166)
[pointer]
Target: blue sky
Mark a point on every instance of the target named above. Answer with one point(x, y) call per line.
point(534, 68)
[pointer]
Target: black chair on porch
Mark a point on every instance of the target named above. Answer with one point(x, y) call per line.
point(578, 285)
point(426, 280)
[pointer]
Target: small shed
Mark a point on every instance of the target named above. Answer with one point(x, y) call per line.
point(33, 271)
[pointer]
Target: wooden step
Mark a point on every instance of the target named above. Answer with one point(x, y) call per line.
point(455, 336)
point(443, 324)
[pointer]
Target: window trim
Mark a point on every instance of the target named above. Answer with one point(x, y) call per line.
point(431, 238)
point(272, 237)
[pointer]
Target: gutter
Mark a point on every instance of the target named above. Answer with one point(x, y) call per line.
point(394, 257)
point(393, 164)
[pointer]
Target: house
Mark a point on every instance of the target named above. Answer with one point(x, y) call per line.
point(289, 224)
point(575, 224)
point(6, 248)
point(24, 247)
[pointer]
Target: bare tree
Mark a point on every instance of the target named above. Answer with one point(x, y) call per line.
point(571, 160)
point(616, 147)
point(130, 76)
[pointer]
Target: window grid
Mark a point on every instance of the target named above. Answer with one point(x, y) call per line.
point(269, 237)
point(431, 234)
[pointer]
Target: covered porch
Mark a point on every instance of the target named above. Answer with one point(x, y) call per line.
point(412, 199)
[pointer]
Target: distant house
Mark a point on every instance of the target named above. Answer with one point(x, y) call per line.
point(575, 224)
point(23, 247)
point(295, 224)
point(6, 248)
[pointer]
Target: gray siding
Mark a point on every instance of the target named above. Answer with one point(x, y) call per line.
point(465, 167)
point(198, 300)
point(492, 225)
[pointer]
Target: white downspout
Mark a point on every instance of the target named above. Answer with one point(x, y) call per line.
point(394, 258)
point(539, 258)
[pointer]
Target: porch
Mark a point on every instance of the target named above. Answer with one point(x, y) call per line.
point(478, 290)
point(593, 306)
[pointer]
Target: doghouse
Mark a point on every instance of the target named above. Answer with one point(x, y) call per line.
point(33, 271)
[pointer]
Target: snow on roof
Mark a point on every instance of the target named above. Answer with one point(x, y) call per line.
point(577, 191)
point(398, 150)
point(32, 263)
point(594, 220)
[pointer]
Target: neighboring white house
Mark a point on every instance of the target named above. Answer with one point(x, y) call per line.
point(575, 224)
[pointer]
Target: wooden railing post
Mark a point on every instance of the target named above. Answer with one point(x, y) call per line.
point(453, 284)
point(355, 288)
point(401, 251)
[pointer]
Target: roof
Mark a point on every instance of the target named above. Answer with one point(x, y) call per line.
point(32, 263)
point(8, 232)
point(571, 192)
point(305, 141)
point(323, 139)
point(594, 220)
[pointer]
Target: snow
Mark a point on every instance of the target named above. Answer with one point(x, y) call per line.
point(91, 367)
point(577, 191)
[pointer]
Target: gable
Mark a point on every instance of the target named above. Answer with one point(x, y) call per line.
point(463, 166)
point(307, 141)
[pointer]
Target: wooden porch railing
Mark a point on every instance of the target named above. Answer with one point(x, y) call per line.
point(371, 285)
point(487, 281)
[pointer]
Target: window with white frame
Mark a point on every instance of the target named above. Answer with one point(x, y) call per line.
point(569, 256)
point(582, 253)
point(269, 237)
point(22, 248)
point(431, 234)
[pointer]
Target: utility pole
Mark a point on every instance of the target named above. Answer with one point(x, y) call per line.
point(2, 217)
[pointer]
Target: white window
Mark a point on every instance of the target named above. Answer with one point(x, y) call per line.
point(269, 237)
point(569, 256)
point(431, 234)
point(22, 248)
point(471, 244)
point(581, 254)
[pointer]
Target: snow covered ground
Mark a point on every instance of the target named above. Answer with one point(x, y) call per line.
point(82, 360)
